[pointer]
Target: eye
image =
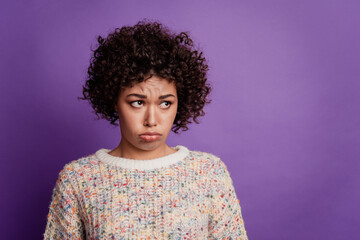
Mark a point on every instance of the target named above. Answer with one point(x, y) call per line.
point(133, 103)
point(167, 104)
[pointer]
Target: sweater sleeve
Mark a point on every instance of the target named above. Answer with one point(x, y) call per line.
point(226, 220)
point(64, 220)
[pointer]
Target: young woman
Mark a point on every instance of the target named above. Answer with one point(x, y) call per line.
point(152, 81)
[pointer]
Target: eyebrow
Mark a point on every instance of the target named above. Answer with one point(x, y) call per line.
point(144, 96)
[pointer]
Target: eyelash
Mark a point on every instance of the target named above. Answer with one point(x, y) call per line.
point(169, 103)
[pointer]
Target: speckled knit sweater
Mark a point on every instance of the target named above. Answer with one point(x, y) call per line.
point(184, 195)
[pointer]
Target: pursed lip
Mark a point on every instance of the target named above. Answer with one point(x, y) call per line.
point(150, 133)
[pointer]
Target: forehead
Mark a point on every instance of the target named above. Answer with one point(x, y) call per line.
point(153, 84)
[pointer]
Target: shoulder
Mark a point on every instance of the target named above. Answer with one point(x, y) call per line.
point(206, 156)
point(214, 169)
point(212, 162)
point(78, 168)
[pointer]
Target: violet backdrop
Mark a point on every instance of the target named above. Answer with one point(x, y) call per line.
point(284, 115)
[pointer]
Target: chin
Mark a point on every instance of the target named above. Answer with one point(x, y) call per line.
point(150, 145)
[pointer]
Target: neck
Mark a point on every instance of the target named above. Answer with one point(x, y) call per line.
point(127, 150)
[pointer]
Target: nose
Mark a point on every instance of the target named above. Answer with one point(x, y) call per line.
point(150, 117)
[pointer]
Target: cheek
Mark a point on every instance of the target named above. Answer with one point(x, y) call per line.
point(127, 119)
point(130, 119)
point(129, 125)
point(169, 117)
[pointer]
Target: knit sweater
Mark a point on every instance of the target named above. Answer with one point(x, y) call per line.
point(183, 195)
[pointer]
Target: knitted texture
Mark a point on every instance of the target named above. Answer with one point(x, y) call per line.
point(192, 197)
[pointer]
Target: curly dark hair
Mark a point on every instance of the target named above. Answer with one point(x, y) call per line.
point(132, 54)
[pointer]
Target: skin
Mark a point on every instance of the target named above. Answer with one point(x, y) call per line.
point(139, 115)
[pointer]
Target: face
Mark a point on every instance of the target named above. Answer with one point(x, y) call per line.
point(149, 106)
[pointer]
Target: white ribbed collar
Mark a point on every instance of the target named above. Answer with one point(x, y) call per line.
point(104, 156)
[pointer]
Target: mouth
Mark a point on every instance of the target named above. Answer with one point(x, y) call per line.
point(150, 136)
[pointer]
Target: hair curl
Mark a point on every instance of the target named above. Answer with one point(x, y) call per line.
point(130, 55)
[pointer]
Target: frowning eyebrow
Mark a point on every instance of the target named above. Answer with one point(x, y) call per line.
point(144, 96)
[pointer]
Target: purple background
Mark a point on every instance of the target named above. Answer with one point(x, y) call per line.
point(284, 118)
